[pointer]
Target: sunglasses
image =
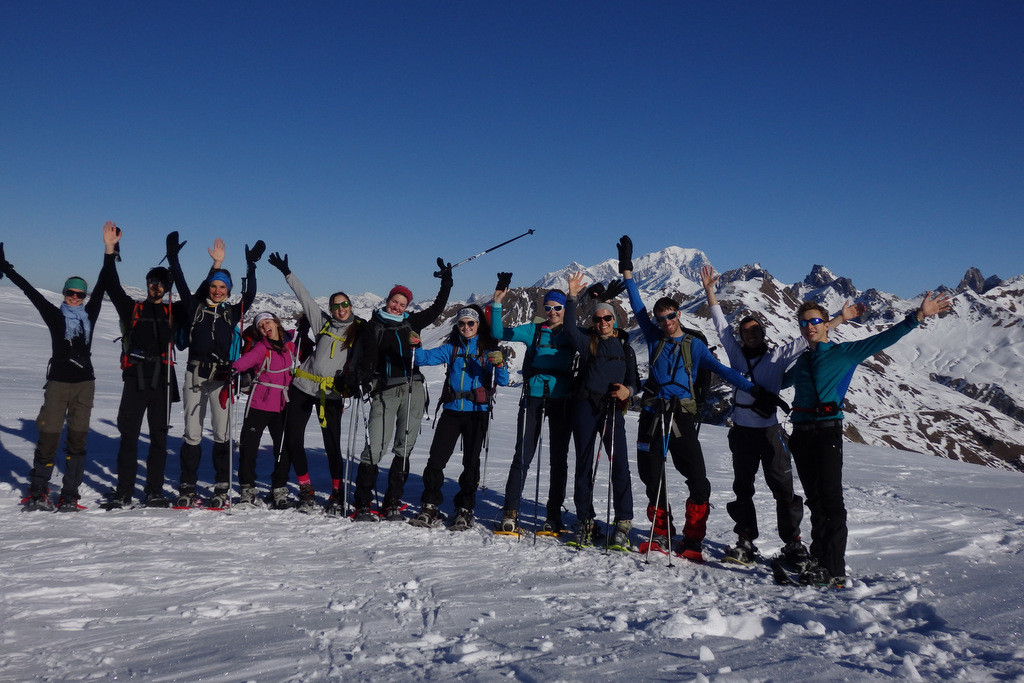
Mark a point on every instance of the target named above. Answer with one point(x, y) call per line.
point(667, 316)
point(553, 308)
point(603, 318)
point(156, 281)
point(812, 321)
point(343, 304)
point(467, 323)
point(74, 294)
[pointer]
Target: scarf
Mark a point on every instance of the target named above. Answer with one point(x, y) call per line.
point(76, 322)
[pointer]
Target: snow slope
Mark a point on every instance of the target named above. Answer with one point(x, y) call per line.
point(936, 549)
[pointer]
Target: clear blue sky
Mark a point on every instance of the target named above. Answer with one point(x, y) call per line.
point(882, 139)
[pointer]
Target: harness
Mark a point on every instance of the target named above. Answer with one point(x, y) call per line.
point(681, 351)
point(264, 369)
point(479, 396)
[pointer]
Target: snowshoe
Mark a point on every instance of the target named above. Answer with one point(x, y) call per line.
point(335, 505)
point(40, 502)
point(220, 500)
point(157, 500)
point(744, 553)
point(427, 517)
point(187, 498)
point(584, 536)
point(508, 525)
point(659, 544)
point(307, 499)
point(814, 575)
point(118, 502)
point(690, 550)
point(247, 499)
point(463, 520)
point(796, 555)
point(620, 536)
point(393, 514)
point(552, 527)
point(365, 515)
point(279, 499)
point(69, 504)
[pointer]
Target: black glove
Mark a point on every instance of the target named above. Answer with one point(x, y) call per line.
point(615, 287)
point(765, 402)
point(280, 263)
point(174, 246)
point(117, 247)
point(256, 253)
point(444, 272)
point(596, 291)
point(625, 247)
point(504, 280)
point(4, 265)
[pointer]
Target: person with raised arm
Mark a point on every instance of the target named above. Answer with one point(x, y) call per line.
point(821, 376)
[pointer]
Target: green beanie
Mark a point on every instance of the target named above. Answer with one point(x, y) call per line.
point(75, 282)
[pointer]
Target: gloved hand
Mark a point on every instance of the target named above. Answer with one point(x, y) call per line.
point(279, 262)
point(596, 291)
point(414, 339)
point(614, 288)
point(4, 265)
point(625, 248)
point(256, 253)
point(444, 272)
point(495, 358)
point(225, 396)
point(765, 402)
point(504, 280)
point(174, 246)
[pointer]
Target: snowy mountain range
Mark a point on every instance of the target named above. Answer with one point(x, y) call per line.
point(954, 388)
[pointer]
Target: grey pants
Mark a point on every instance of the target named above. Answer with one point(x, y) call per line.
point(197, 395)
point(394, 414)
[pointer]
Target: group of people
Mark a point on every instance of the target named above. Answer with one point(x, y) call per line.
point(580, 379)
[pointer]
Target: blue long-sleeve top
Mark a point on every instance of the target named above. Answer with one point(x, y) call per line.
point(829, 367)
point(469, 370)
point(669, 371)
point(552, 358)
point(613, 363)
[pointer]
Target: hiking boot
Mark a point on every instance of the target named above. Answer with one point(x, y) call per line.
point(40, 502)
point(68, 504)
point(659, 544)
point(220, 499)
point(795, 553)
point(118, 501)
point(279, 499)
point(620, 535)
point(552, 525)
point(814, 574)
point(584, 537)
point(187, 497)
point(394, 514)
point(335, 505)
point(247, 497)
point(508, 522)
point(365, 515)
point(690, 549)
point(307, 498)
point(839, 582)
point(427, 516)
point(744, 552)
point(463, 519)
point(157, 500)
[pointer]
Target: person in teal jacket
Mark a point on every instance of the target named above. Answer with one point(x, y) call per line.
point(475, 366)
point(547, 381)
point(821, 376)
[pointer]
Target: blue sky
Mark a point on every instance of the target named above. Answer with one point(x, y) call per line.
point(882, 139)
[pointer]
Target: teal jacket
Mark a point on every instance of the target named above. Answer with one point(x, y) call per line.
point(552, 357)
point(829, 367)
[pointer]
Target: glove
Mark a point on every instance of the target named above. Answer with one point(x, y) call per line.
point(256, 253)
point(596, 291)
point(4, 265)
point(117, 246)
point(504, 280)
point(615, 287)
point(225, 396)
point(495, 358)
point(280, 263)
point(765, 402)
point(174, 246)
point(625, 247)
point(444, 272)
point(414, 339)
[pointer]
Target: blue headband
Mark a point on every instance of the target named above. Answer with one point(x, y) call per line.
point(221, 276)
point(555, 296)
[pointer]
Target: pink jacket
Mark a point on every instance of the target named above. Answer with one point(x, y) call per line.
point(270, 388)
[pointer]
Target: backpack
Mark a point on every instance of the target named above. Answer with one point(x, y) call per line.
point(482, 395)
point(699, 385)
point(129, 356)
point(222, 311)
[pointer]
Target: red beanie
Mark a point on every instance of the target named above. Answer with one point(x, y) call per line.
point(403, 290)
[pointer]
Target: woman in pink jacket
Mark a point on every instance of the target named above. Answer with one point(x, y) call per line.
point(272, 356)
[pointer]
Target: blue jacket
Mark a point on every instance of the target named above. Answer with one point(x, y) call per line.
point(467, 372)
point(833, 365)
point(552, 358)
point(669, 370)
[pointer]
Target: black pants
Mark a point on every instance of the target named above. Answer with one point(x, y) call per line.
point(136, 403)
point(590, 422)
point(763, 446)
point(685, 450)
point(528, 436)
point(255, 423)
point(190, 456)
point(472, 427)
point(300, 406)
point(819, 462)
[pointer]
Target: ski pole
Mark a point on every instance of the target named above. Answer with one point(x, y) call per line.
point(440, 261)
point(521, 447)
point(611, 445)
point(487, 434)
point(540, 447)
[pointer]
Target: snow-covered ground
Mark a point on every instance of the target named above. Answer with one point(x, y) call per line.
point(936, 552)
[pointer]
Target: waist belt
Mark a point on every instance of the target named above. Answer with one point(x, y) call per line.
point(326, 384)
point(817, 425)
